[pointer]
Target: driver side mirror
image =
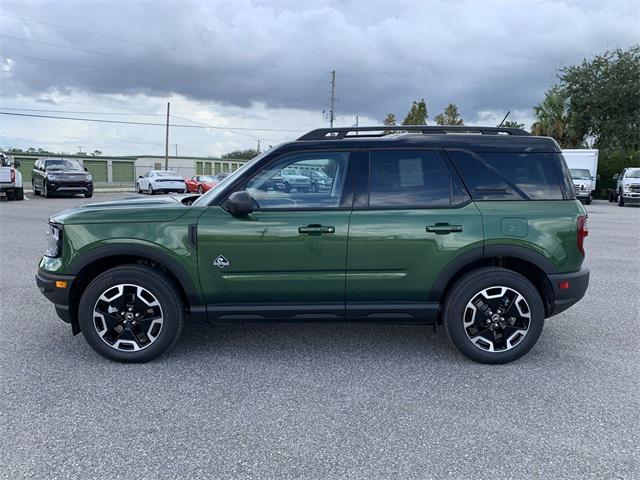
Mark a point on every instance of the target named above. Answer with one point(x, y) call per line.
point(139, 176)
point(86, 169)
point(239, 204)
point(616, 176)
point(16, 163)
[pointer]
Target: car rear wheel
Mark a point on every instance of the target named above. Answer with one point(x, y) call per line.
point(11, 195)
point(139, 189)
point(493, 315)
point(588, 200)
point(200, 189)
point(19, 193)
point(131, 314)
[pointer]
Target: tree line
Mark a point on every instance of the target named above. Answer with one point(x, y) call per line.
point(595, 104)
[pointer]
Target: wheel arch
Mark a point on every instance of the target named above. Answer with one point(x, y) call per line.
point(101, 259)
point(528, 263)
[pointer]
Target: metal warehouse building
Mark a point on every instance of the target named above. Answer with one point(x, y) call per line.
point(123, 171)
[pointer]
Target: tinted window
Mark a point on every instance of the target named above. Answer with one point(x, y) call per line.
point(408, 178)
point(286, 183)
point(62, 164)
point(508, 176)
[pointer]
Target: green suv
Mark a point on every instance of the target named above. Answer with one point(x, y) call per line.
point(476, 229)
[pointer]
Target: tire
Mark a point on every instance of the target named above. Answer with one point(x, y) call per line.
point(150, 190)
point(35, 191)
point(45, 190)
point(119, 346)
point(88, 194)
point(620, 200)
point(139, 189)
point(19, 193)
point(588, 200)
point(200, 189)
point(612, 196)
point(509, 343)
point(11, 195)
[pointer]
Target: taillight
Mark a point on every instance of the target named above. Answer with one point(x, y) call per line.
point(582, 232)
point(13, 175)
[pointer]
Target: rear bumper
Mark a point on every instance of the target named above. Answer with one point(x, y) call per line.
point(566, 297)
point(58, 296)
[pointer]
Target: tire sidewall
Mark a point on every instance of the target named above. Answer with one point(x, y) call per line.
point(155, 282)
point(467, 288)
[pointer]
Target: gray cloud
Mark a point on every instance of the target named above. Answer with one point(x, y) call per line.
point(484, 56)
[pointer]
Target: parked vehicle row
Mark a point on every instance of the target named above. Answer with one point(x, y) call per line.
point(480, 233)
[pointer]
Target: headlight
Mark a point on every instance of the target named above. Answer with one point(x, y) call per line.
point(625, 188)
point(89, 178)
point(52, 177)
point(54, 241)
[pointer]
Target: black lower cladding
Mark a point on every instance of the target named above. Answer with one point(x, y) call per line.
point(566, 297)
point(58, 296)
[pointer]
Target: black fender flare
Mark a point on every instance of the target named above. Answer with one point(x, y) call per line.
point(489, 251)
point(154, 254)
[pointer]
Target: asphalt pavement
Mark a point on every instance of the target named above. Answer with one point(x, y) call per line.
point(316, 401)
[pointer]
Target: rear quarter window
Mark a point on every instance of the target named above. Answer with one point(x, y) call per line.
point(508, 175)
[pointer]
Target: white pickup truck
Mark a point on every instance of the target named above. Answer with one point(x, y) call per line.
point(10, 179)
point(583, 166)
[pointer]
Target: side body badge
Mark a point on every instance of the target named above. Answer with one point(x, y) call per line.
point(221, 262)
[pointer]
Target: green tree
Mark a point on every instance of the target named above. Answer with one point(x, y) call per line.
point(389, 120)
point(553, 119)
point(512, 124)
point(450, 116)
point(96, 153)
point(417, 114)
point(604, 98)
point(241, 154)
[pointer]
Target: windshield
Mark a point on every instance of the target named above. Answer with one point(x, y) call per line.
point(62, 164)
point(580, 174)
point(632, 173)
point(207, 197)
point(166, 174)
point(208, 179)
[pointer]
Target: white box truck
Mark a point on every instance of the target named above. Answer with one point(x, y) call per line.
point(583, 166)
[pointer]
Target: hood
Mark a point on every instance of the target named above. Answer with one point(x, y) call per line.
point(631, 180)
point(126, 210)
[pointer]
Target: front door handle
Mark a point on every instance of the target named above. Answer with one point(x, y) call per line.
point(443, 228)
point(316, 229)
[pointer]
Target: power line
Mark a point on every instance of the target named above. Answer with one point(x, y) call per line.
point(79, 112)
point(101, 120)
point(111, 37)
point(137, 60)
point(209, 126)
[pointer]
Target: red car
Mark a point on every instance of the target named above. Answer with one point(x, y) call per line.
point(201, 183)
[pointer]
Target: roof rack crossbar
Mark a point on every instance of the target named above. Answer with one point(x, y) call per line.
point(344, 132)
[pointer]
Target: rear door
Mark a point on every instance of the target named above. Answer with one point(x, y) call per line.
point(411, 218)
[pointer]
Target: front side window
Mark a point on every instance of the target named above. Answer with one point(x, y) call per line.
point(508, 175)
point(286, 184)
point(409, 178)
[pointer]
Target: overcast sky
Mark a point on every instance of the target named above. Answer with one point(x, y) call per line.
point(266, 65)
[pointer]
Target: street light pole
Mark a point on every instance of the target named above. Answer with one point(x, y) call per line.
point(166, 141)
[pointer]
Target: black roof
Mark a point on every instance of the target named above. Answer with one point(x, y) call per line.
point(467, 137)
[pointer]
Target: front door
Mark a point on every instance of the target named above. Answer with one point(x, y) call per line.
point(287, 258)
point(411, 218)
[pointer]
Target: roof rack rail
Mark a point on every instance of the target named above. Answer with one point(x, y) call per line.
point(350, 132)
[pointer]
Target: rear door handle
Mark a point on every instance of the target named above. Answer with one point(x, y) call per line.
point(443, 228)
point(316, 229)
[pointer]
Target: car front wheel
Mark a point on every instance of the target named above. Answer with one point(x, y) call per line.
point(150, 190)
point(131, 313)
point(493, 315)
point(620, 199)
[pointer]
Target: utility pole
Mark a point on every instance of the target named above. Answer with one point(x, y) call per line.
point(258, 145)
point(333, 98)
point(79, 148)
point(166, 141)
point(176, 149)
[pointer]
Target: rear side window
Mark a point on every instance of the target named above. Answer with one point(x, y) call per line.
point(411, 178)
point(508, 176)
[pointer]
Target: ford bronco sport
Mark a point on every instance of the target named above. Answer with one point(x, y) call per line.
point(473, 228)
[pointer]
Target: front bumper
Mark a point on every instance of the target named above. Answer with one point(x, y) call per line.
point(59, 296)
point(69, 187)
point(566, 297)
point(631, 197)
point(583, 194)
